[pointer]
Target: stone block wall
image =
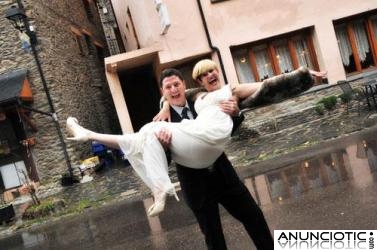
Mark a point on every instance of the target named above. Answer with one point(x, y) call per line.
point(75, 81)
point(289, 113)
point(294, 124)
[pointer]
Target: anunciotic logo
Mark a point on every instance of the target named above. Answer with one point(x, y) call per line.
point(324, 239)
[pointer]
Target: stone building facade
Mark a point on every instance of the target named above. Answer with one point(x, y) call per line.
point(71, 47)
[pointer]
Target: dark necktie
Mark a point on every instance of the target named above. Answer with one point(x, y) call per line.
point(184, 113)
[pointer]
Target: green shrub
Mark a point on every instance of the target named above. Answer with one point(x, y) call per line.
point(329, 102)
point(345, 97)
point(320, 108)
point(83, 204)
point(45, 208)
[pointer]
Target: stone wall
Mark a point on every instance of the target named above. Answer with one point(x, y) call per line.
point(293, 125)
point(75, 80)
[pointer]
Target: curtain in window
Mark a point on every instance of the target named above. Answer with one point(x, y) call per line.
point(303, 55)
point(284, 58)
point(344, 44)
point(242, 64)
point(263, 64)
point(361, 40)
point(12, 174)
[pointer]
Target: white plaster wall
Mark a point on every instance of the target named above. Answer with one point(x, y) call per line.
point(185, 38)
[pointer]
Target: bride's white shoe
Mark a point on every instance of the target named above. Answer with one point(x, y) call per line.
point(78, 132)
point(159, 204)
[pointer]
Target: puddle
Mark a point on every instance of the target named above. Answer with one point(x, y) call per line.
point(356, 162)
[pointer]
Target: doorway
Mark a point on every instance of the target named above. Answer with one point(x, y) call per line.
point(141, 93)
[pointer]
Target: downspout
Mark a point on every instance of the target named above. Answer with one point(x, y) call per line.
point(210, 42)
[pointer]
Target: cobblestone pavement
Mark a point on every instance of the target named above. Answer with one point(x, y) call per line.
point(117, 180)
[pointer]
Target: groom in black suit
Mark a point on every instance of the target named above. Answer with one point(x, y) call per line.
point(204, 189)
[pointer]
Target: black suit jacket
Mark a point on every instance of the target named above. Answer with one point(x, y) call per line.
point(201, 185)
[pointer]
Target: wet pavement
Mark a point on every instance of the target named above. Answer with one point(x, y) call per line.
point(330, 187)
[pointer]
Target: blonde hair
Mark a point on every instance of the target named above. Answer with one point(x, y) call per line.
point(203, 66)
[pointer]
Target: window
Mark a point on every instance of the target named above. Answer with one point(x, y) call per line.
point(302, 51)
point(88, 10)
point(242, 64)
point(89, 44)
point(12, 174)
point(263, 62)
point(4, 147)
point(283, 56)
point(78, 36)
point(374, 25)
point(259, 61)
point(357, 42)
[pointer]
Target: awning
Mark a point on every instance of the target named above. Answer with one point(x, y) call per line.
point(14, 86)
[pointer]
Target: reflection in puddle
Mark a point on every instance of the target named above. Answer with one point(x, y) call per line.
point(31, 240)
point(356, 162)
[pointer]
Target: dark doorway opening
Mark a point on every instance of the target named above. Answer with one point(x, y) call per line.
point(141, 93)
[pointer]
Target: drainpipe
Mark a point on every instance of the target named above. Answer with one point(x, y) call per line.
point(214, 48)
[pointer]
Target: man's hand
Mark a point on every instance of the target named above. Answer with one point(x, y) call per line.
point(164, 114)
point(164, 137)
point(230, 107)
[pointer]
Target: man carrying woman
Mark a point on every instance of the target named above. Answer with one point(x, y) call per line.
point(206, 176)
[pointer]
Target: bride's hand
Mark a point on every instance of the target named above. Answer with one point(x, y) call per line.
point(164, 114)
point(230, 107)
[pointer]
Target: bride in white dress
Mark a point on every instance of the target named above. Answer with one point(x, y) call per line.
point(194, 143)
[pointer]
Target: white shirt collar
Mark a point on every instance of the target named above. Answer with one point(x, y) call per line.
point(179, 110)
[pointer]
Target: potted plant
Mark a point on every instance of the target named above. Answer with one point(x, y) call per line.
point(7, 213)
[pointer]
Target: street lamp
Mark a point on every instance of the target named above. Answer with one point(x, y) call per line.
point(20, 21)
point(16, 16)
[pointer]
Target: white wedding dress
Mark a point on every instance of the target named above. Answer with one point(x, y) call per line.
point(195, 143)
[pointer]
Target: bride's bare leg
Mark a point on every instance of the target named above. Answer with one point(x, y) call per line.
point(321, 74)
point(82, 134)
point(246, 89)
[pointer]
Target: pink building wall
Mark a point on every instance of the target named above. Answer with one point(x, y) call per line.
point(237, 22)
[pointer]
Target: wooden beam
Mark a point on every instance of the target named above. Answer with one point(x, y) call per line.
point(273, 58)
point(372, 39)
point(293, 54)
point(312, 54)
point(253, 65)
point(112, 68)
point(351, 36)
point(119, 102)
point(76, 31)
point(27, 120)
